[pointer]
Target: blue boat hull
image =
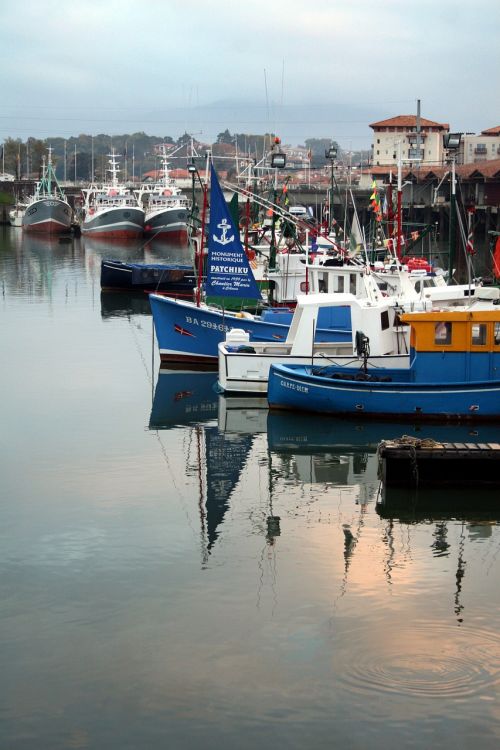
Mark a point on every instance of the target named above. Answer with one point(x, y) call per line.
point(295, 388)
point(190, 334)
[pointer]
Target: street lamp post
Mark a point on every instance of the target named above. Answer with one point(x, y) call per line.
point(451, 143)
point(331, 154)
point(278, 161)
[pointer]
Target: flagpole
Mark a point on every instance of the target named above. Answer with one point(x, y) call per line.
point(399, 208)
point(390, 215)
point(200, 256)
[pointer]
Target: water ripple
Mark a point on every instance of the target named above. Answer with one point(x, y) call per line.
point(427, 661)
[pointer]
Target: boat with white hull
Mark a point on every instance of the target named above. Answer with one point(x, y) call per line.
point(111, 211)
point(16, 214)
point(378, 340)
point(166, 208)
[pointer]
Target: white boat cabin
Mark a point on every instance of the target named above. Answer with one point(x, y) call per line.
point(379, 339)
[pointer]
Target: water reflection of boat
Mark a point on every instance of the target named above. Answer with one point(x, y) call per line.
point(125, 249)
point(42, 243)
point(328, 440)
point(409, 504)
point(247, 414)
point(123, 304)
point(225, 457)
point(183, 397)
point(159, 251)
point(300, 431)
point(189, 398)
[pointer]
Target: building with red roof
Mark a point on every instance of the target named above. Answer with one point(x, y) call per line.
point(418, 138)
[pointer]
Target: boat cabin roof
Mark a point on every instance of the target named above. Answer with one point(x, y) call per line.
point(455, 330)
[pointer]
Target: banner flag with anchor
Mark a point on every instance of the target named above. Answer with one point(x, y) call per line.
point(228, 270)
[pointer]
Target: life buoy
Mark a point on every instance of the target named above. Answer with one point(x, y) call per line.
point(250, 254)
point(167, 192)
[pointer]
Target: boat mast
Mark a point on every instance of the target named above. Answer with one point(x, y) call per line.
point(113, 169)
point(202, 241)
point(49, 171)
point(164, 164)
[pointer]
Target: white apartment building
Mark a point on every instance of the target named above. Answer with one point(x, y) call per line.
point(482, 147)
point(425, 146)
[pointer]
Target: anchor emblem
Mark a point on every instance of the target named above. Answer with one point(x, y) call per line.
point(224, 226)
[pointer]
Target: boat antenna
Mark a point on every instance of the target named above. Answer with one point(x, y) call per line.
point(267, 97)
point(282, 81)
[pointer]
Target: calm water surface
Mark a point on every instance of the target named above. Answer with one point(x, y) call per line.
point(184, 571)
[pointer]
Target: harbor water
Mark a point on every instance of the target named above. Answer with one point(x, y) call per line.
point(181, 570)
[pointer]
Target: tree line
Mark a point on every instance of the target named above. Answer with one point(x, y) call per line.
point(83, 157)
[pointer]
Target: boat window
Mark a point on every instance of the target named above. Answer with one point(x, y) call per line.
point(417, 286)
point(339, 284)
point(497, 334)
point(478, 337)
point(352, 283)
point(384, 320)
point(323, 283)
point(442, 333)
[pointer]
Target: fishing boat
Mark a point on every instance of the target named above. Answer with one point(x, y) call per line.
point(16, 214)
point(176, 279)
point(166, 208)
point(111, 211)
point(47, 211)
point(375, 331)
point(452, 374)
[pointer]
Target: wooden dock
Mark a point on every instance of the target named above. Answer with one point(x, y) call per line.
point(409, 461)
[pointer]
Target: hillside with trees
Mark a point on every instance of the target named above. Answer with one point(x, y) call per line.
point(74, 157)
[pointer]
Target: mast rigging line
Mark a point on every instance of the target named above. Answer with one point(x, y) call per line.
point(264, 203)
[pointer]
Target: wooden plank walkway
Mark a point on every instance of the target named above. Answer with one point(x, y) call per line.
point(412, 462)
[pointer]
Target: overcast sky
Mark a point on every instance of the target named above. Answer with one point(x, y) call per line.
point(315, 68)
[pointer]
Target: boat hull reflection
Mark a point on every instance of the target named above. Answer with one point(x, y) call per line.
point(183, 397)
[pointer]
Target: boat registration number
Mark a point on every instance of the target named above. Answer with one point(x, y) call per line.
point(206, 324)
point(294, 386)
